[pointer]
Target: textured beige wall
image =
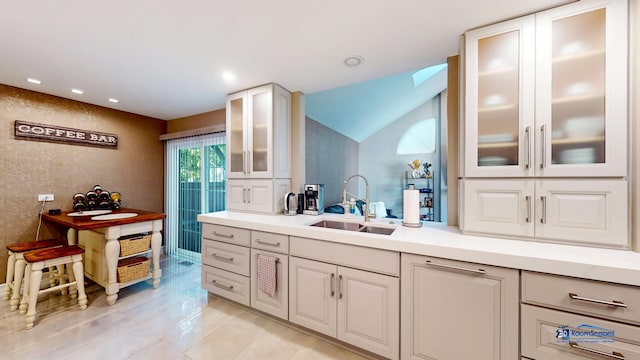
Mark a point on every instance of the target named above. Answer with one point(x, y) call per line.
point(29, 168)
point(216, 117)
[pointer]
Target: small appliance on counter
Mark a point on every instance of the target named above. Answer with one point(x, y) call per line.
point(313, 199)
point(300, 203)
point(290, 204)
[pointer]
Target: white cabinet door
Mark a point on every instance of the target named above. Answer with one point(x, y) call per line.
point(236, 195)
point(499, 96)
point(503, 207)
point(369, 311)
point(277, 305)
point(260, 195)
point(585, 212)
point(456, 310)
point(312, 295)
point(581, 89)
point(260, 131)
point(236, 125)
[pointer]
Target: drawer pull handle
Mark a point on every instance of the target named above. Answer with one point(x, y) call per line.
point(543, 142)
point(615, 303)
point(527, 201)
point(340, 287)
point(230, 236)
point(474, 271)
point(268, 242)
point(222, 257)
point(220, 285)
point(527, 139)
point(543, 217)
point(614, 354)
point(333, 284)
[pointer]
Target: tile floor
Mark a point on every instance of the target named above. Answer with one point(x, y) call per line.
point(179, 320)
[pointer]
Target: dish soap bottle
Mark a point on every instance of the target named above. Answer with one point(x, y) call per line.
point(352, 208)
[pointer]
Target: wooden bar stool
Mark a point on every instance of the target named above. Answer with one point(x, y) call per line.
point(38, 260)
point(16, 266)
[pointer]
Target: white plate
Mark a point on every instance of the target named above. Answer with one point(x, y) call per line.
point(495, 138)
point(89, 212)
point(114, 216)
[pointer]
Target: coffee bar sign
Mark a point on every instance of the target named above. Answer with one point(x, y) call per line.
point(43, 132)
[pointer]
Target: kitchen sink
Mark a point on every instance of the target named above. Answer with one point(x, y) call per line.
point(342, 225)
point(353, 226)
point(377, 230)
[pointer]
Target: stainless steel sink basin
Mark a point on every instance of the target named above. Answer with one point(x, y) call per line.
point(342, 225)
point(377, 230)
point(352, 226)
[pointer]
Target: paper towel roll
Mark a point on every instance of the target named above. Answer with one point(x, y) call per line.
point(411, 207)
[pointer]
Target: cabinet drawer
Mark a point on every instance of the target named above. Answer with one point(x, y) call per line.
point(269, 241)
point(553, 291)
point(376, 260)
point(226, 284)
point(226, 256)
point(226, 234)
point(540, 330)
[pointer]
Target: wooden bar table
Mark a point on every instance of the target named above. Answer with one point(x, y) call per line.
point(102, 236)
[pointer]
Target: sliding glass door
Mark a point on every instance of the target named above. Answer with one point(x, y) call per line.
point(195, 183)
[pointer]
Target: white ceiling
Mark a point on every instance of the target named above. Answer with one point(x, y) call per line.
point(165, 59)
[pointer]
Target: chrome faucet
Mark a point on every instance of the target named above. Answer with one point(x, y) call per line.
point(367, 214)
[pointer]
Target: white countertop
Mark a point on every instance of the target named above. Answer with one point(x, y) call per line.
point(440, 240)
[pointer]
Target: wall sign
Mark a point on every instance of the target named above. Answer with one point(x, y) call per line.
point(31, 131)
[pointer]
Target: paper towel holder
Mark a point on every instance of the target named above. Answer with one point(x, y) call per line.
point(413, 225)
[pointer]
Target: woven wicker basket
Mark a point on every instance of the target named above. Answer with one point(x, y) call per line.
point(134, 244)
point(133, 268)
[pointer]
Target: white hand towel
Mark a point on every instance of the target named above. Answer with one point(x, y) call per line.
point(267, 274)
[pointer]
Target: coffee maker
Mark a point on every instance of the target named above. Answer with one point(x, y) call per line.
point(313, 199)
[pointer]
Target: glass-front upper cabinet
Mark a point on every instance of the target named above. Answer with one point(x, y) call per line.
point(258, 124)
point(581, 89)
point(546, 94)
point(499, 108)
point(249, 133)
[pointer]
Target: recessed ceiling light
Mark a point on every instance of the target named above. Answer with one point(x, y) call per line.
point(354, 60)
point(228, 76)
point(77, 91)
point(34, 81)
point(114, 100)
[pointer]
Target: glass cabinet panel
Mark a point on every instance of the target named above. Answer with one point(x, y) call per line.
point(260, 126)
point(577, 90)
point(236, 152)
point(498, 99)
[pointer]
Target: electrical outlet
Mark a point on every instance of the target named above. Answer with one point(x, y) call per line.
point(45, 197)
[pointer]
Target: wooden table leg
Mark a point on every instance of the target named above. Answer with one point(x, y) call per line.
point(156, 245)
point(111, 253)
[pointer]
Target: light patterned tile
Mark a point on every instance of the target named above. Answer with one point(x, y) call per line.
point(178, 320)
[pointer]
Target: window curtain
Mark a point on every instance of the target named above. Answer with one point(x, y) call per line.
point(195, 182)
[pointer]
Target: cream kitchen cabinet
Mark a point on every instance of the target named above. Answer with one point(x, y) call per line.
point(226, 262)
point(566, 65)
point(230, 270)
point(257, 195)
point(555, 307)
point(457, 310)
point(355, 306)
point(580, 211)
point(258, 133)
